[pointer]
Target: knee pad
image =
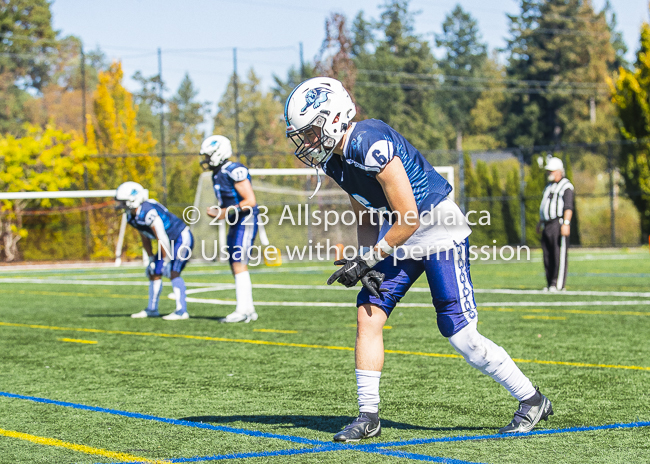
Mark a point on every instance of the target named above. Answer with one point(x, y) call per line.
point(479, 352)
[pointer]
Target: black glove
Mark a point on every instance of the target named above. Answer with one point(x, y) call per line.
point(355, 270)
point(372, 282)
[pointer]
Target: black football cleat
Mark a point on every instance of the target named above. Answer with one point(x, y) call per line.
point(528, 415)
point(367, 425)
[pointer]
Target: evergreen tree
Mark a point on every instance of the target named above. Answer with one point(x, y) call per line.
point(27, 43)
point(184, 118)
point(465, 57)
point(386, 86)
point(261, 123)
point(618, 43)
point(149, 103)
point(486, 117)
point(183, 134)
point(562, 49)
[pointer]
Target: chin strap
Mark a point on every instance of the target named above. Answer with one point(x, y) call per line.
point(318, 184)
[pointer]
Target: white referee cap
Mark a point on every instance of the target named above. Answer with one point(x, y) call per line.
point(554, 164)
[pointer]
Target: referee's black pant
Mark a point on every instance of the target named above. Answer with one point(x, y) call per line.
point(555, 248)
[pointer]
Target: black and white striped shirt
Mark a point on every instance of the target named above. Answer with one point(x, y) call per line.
point(557, 198)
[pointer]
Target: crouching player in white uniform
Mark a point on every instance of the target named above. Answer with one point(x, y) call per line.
point(155, 222)
point(384, 173)
point(237, 204)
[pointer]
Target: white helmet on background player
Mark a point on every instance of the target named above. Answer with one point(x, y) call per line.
point(215, 150)
point(130, 195)
point(318, 111)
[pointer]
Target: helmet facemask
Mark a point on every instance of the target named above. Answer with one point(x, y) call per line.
point(121, 206)
point(205, 163)
point(318, 147)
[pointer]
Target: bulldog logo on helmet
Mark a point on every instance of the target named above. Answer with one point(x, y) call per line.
point(315, 97)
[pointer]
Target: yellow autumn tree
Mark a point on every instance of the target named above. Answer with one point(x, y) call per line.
point(123, 152)
point(43, 160)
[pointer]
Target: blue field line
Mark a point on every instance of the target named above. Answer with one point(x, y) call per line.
point(200, 425)
point(262, 454)
point(422, 441)
point(416, 457)
point(319, 449)
point(322, 446)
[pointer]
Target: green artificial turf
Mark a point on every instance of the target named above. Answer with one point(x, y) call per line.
point(301, 381)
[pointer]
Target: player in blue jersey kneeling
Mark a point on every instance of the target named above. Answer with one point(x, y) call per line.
point(175, 243)
point(424, 232)
point(236, 203)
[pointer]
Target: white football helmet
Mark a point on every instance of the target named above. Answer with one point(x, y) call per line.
point(215, 150)
point(130, 195)
point(318, 112)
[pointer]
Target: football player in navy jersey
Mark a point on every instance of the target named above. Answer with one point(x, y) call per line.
point(155, 222)
point(423, 232)
point(236, 203)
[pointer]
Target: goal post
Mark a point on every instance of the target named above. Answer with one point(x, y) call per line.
point(75, 194)
point(283, 196)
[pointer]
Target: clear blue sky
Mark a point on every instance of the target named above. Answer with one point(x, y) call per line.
point(267, 33)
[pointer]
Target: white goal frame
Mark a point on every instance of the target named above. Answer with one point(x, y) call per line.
point(446, 171)
point(50, 195)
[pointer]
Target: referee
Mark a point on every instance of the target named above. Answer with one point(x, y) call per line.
point(555, 213)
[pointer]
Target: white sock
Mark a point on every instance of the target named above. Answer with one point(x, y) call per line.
point(179, 290)
point(489, 358)
point(244, 293)
point(368, 390)
point(155, 289)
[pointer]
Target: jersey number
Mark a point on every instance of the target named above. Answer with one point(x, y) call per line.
point(381, 159)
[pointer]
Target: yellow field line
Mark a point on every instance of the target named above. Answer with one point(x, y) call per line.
point(303, 345)
point(276, 331)
point(386, 327)
point(124, 457)
point(567, 311)
point(577, 364)
point(546, 318)
point(76, 340)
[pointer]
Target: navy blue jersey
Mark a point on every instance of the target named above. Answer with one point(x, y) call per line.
point(148, 212)
point(367, 150)
point(224, 180)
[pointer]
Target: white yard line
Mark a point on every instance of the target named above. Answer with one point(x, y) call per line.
point(208, 287)
point(117, 283)
point(309, 304)
point(201, 288)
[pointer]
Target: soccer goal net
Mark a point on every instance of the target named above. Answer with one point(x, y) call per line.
point(64, 226)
